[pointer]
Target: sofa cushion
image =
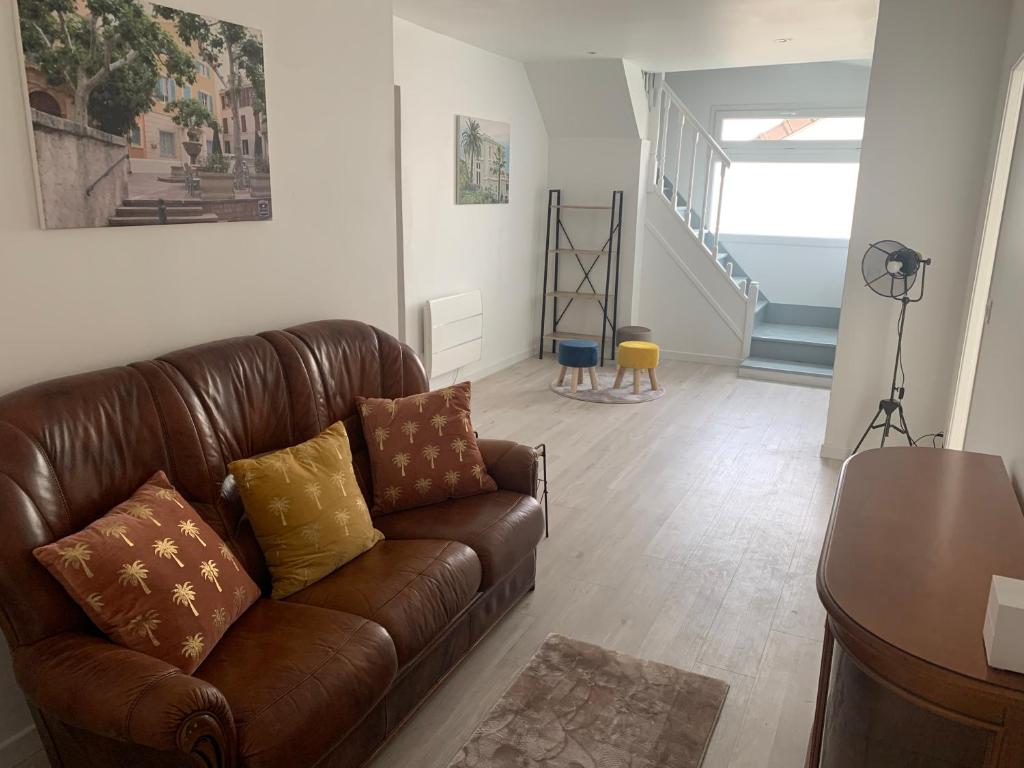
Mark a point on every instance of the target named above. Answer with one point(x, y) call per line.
point(412, 588)
point(306, 509)
point(501, 527)
point(298, 679)
point(153, 576)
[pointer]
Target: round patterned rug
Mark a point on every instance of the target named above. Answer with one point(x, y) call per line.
point(605, 393)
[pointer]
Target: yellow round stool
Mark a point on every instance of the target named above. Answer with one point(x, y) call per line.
point(638, 356)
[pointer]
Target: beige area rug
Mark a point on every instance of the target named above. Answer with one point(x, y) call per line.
point(577, 705)
point(604, 393)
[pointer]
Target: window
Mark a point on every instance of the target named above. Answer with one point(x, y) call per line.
point(202, 68)
point(245, 146)
point(225, 126)
point(136, 136)
point(161, 89)
point(172, 93)
point(167, 144)
point(227, 147)
point(209, 147)
point(188, 93)
point(206, 100)
point(792, 129)
point(816, 135)
point(244, 129)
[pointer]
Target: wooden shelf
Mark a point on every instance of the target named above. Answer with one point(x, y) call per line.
point(579, 251)
point(579, 295)
point(561, 335)
point(584, 207)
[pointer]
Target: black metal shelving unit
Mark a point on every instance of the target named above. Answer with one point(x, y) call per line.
point(606, 296)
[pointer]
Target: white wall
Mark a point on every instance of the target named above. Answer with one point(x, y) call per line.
point(79, 299)
point(793, 270)
point(451, 248)
point(996, 420)
point(822, 84)
point(936, 82)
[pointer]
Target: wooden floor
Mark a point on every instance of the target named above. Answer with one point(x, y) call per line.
point(684, 530)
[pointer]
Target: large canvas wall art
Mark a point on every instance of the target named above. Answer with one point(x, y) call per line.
point(481, 161)
point(144, 114)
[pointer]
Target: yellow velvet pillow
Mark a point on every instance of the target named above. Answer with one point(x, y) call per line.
point(306, 508)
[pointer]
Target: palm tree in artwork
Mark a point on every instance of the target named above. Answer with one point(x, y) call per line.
point(77, 557)
point(311, 533)
point(380, 434)
point(192, 646)
point(185, 594)
point(410, 428)
point(191, 530)
point(439, 421)
point(210, 572)
point(401, 460)
point(498, 165)
point(239, 596)
point(282, 462)
point(419, 401)
point(220, 619)
point(168, 549)
point(451, 477)
point(430, 453)
point(366, 409)
point(111, 527)
point(392, 493)
point(390, 406)
point(166, 494)
point(95, 601)
point(314, 491)
point(472, 143)
point(279, 506)
point(423, 485)
point(141, 512)
point(478, 472)
point(338, 478)
point(145, 624)
point(134, 574)
point(459, 446)
point(465, 421)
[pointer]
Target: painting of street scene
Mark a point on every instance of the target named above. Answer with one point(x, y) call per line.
point(142, 114)
point(481, 161)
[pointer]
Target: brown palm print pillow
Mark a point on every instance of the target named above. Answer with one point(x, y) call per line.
point(153, 576)
point(423, 449)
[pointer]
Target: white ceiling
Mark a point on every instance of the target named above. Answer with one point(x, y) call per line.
point(659, 35)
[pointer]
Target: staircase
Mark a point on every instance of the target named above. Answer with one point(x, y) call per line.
point(137, 213)
point(779, 342)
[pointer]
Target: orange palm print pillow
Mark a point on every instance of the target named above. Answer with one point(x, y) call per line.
point(153, 576)
point(423, 449)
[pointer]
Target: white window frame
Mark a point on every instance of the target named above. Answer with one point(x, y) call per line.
point(787, 151)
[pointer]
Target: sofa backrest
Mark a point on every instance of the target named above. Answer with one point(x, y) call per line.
point(73, 448)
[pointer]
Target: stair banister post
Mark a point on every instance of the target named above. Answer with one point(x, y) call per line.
point(663, 146)
point(693, 173)
point(659, 99)
point(704, 229)
point(679, 161)
point(748, 320)
point(721, 199)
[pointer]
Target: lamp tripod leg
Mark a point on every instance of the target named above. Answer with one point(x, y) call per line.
point(906, 427)
point(871, 426)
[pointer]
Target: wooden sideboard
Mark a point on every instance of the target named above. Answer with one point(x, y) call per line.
point(915, 538)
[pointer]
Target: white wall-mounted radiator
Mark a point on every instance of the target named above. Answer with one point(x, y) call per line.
point(453, 329)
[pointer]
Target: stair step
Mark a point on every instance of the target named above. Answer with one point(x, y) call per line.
point(153, 203)
point(801, 334)
point(141, 210)
point(788, 372)
point(800, 314)
point(140, 221)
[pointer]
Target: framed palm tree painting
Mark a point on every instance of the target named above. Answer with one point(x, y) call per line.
point(481, 161)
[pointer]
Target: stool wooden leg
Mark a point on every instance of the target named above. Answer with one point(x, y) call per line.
point(636, 381)
point(561, 376)
point(654, 377)
point(618, 377)
point(576, 379)
point(593, 379)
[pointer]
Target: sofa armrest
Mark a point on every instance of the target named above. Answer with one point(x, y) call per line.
point(94, 684)
point(512, 465)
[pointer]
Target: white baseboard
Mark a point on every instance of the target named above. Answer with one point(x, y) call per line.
point(786, 377)
point(20, 746)
point(837, 452)
point(696, 357)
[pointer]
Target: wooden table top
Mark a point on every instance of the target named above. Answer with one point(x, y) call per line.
point(915, 538)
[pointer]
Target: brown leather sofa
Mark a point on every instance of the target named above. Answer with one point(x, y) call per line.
point(322, 678)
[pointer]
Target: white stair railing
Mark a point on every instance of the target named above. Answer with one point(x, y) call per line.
point(674, 122)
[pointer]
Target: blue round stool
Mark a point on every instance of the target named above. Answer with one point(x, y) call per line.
point(577, 354)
